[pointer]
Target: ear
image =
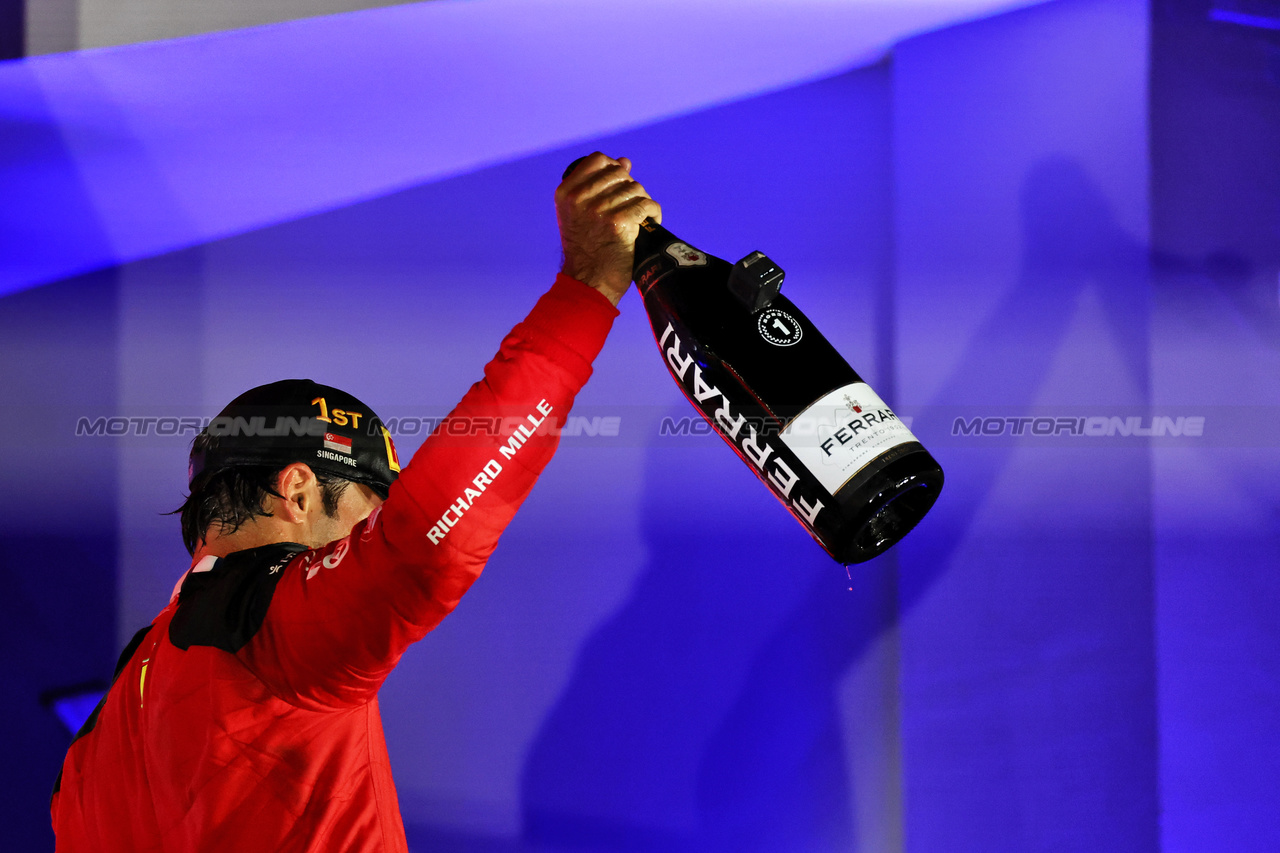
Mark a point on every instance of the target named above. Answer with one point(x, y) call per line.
point(298, 486)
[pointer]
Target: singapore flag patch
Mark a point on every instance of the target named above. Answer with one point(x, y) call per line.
point(337, 443)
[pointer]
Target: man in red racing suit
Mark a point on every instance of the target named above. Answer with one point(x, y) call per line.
point(245, 717)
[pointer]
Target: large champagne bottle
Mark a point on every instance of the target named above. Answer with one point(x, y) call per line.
point(788, 404)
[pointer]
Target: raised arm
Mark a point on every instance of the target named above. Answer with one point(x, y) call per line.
point(340, 617)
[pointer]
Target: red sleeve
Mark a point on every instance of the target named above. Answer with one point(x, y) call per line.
point(340, 617)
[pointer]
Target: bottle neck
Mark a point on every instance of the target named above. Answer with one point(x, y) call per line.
point(650, 239)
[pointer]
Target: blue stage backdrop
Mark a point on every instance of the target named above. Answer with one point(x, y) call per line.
point(1048, 238)
point(1029, 711)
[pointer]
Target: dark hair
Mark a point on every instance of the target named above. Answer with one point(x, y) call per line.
point(234, 496)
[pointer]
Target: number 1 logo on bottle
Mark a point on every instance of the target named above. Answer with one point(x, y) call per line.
point(779, 328)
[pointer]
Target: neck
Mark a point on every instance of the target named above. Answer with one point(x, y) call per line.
point(253, 534)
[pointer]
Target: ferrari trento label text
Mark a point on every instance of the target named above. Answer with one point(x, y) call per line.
point(839, 434)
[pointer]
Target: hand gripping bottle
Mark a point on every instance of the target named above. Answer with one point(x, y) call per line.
point(788, 404)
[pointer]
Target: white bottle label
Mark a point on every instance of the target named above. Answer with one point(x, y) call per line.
point(686, 255)
point(839, 434)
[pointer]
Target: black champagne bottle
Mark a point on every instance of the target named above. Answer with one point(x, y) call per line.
point(781, 396)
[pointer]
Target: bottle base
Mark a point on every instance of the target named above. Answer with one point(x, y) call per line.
point(890, 514)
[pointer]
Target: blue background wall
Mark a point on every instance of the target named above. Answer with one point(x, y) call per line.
point(1215, 336)
point(1066, 212)
point(1029, 712)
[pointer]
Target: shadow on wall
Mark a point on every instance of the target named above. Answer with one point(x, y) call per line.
point(1223, 277)
point(1071, 243)
point(1026, 600)
point(703, 716)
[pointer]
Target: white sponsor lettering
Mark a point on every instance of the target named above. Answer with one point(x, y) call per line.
point(726, 422)
point(754, 451)
point(754, 447)
point(485, 477)
point(808, 510)
point(783, 477)
point(702, 392)
point(516, 441)
point(679, 363)
point(334, 457)
point(333, 558)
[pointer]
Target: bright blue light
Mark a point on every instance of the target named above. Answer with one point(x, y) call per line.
point(74, 710)
point(1227, 16)
point(116, 154)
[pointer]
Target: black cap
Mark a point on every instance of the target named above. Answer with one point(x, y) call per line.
point(297, 420)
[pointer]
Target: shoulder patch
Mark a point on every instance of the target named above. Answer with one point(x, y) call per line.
point(225, 607)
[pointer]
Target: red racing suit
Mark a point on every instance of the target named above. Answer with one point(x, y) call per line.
point(245, 717)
